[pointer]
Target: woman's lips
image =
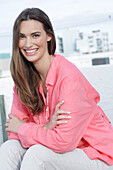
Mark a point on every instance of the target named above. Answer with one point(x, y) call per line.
point(31, 52)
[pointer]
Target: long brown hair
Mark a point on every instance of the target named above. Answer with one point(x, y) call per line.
point(24, 74)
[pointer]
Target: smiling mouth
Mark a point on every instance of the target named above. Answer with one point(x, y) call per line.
point(31, 51)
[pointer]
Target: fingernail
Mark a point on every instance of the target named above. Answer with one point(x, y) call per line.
point(68, 112)
point(65, 121)
point(69, 116)
point(62, 101)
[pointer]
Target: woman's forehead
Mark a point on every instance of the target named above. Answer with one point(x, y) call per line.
point(30, 25)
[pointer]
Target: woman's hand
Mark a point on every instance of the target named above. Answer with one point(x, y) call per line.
point(57, 117)
point(13, 124)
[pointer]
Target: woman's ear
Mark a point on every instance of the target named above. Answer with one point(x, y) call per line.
point(49, 37)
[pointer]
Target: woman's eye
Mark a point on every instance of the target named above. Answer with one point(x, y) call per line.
point(36, 35)
point(21, 36)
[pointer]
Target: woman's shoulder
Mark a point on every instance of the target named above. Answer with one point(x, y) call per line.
point(65, 67)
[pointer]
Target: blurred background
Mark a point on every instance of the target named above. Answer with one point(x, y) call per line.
point(84, 35)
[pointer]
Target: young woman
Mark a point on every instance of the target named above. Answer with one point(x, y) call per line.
point(55, 122)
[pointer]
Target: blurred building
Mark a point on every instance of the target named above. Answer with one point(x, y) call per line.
point(74, 41)
point(85, 49)
point(66, 41)
point(94, 42)
point(111, 47)
point(59, 44)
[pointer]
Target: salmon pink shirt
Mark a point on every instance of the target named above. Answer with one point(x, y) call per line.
point(88, 129)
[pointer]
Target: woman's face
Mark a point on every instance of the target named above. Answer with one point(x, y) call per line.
point(33, 40)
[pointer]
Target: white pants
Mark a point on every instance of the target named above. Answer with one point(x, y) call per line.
point(38, 157)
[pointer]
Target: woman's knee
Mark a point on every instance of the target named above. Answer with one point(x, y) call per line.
point(11, 147)
point(33, 158)
point(38, 151)
point(11, 155)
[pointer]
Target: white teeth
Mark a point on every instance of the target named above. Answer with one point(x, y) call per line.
point(31, 51)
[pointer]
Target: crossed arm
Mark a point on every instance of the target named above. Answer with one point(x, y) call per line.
point(14, 123)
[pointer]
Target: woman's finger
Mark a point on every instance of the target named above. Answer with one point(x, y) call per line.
point(61, 122)
point(63, 117)
point(6, 129)
point(8, 120)
point(11, 116)
point(62, 112)
point(6, 124)
point(58, 105)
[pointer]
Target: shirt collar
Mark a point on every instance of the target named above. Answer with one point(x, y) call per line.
point(53, 70)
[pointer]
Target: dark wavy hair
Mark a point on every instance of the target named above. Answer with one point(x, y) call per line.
point(24, 74)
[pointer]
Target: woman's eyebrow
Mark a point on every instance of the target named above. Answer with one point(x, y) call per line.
point(21, 33)
point(37, 32)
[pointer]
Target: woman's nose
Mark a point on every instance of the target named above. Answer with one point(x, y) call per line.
point(28, 42)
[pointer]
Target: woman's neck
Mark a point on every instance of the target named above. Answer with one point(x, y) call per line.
point(43, 67)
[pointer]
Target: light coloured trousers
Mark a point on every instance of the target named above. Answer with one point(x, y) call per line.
point(38, 157)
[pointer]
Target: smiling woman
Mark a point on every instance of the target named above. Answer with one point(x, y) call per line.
point(54, 107)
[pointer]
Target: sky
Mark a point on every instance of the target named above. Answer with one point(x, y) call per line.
point(61, 12)
point(56, 9)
